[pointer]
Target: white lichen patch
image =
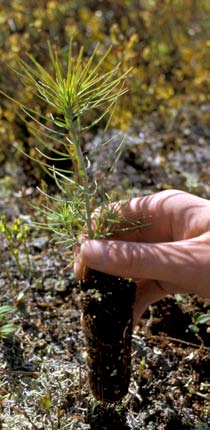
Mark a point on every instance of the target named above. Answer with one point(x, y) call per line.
point(45, 402)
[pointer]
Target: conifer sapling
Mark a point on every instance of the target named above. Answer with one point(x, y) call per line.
point(77, 94)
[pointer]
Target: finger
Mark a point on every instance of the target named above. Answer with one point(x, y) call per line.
point(169, 215)
point(152, 220)
point(147, 292)
point(184, 263)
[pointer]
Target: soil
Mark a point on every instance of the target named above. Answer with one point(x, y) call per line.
point(107, 304)
point(43, 374)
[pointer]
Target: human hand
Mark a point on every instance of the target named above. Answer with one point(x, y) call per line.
point(170, 255)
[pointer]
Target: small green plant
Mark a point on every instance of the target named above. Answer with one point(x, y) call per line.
point(16, 235)
point(197, 320)
point(7, 328)
point(78, 97)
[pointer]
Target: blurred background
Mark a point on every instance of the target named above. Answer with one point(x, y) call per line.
point(167, 43)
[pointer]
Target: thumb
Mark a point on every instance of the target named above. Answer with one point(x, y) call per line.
point(185, 263)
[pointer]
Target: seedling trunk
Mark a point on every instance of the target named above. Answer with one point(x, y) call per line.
point(107, 304)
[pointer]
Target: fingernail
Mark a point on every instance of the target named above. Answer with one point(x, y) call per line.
point(78, 266)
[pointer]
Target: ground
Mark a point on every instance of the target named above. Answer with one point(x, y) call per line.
point(43, 369)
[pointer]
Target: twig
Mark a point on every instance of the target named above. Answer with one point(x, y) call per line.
point(19, 373)
point(174, 339)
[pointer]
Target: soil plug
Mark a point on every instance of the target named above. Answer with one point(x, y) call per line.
point(107, 321)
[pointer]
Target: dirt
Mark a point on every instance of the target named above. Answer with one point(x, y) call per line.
point(43, 374)
point(107, 304)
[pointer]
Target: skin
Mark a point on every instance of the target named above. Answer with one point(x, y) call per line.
point(170, 255)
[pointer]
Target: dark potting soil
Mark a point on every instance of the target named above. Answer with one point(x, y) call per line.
point(107, 316)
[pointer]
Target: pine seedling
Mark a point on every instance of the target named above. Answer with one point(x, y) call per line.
point(77, 98)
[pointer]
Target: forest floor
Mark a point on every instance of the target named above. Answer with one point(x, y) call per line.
point(43, 373)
